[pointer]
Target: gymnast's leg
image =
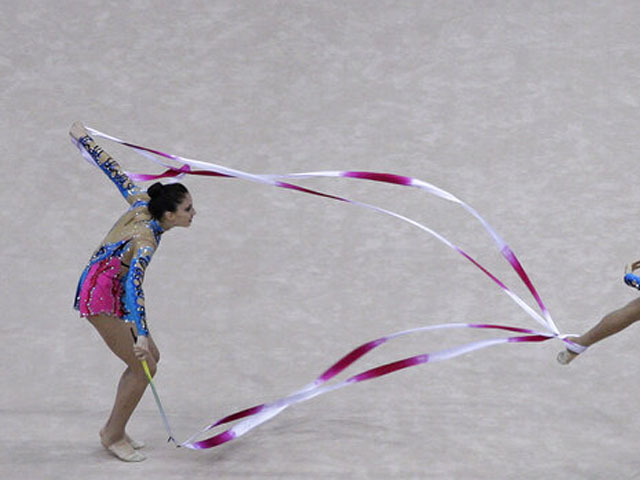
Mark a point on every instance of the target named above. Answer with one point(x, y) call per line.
point(117, 335)
point(610, 324)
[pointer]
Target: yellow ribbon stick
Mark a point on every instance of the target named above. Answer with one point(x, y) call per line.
point(147, 372)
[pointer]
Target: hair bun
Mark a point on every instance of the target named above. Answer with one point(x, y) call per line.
point(155, 190)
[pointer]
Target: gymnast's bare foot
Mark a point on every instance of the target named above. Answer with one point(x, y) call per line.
point(121, 449)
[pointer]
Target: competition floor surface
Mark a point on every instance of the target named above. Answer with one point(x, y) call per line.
point(529, 111)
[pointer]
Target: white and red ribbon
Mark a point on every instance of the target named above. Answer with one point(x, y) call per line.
point(254, 416)
point(250, 418)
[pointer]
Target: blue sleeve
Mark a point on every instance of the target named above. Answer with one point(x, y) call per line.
point(632, 280)
point(111, 168)
point(133, 293)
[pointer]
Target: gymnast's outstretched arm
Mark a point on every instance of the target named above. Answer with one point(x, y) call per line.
point(129, 190)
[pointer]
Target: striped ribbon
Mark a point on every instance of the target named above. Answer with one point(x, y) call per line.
point(259, 414)
point(252, 417)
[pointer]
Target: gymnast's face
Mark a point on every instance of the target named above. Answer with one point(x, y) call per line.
point(183, 215)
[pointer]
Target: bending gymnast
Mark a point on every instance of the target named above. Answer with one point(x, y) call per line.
point(610, 324)
point(110, 292)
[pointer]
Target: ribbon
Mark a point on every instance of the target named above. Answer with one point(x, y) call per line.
point(211, 169)
point(259, 414)
point(254, 416)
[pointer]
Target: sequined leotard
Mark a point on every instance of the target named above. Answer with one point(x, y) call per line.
point(112, 281)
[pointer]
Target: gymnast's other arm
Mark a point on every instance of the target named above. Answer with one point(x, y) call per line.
point(129, 190)
point(134, 296)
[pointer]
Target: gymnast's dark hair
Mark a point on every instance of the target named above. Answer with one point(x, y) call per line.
point(165, 198)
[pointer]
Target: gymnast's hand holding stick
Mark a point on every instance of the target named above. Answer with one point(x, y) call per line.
point(141, 349)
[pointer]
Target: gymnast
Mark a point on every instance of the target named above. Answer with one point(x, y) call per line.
point(110, 291)
point(610, 324)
